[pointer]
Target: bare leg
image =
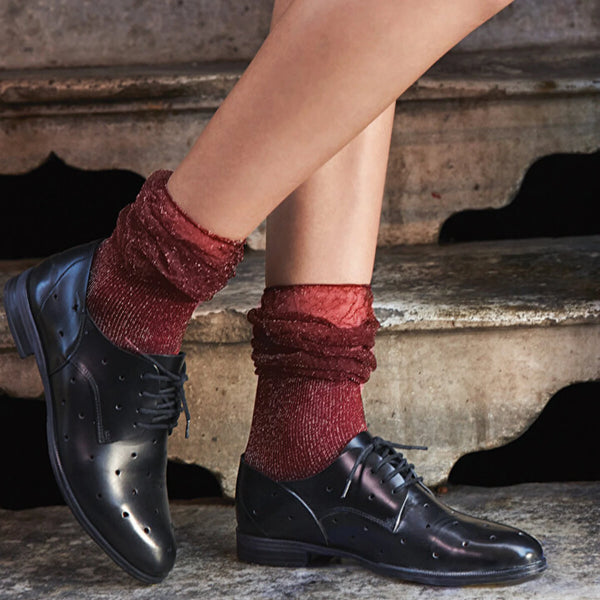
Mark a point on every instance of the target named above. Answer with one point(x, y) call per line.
point(334, 215)
point(323, 74)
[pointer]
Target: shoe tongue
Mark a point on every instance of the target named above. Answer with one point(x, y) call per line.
point(171, 362)
point(362, 440)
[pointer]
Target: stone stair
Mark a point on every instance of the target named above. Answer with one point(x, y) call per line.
point(133, 88)
point(45, 554)
point(475, 338)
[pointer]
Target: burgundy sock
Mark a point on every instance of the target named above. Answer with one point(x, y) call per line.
point(150, 274)
point(312, 351)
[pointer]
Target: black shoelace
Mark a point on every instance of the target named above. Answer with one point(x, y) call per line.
point(171, 398)
point(389, 456)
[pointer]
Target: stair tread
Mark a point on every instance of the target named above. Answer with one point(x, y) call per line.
point(477, 74)
point(509, 283)
point(58, 557)
point(481, 284)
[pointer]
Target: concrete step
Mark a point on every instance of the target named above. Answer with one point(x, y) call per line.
point(42, 34)
point(475, 339)
point(45, 554)
point(464, 134)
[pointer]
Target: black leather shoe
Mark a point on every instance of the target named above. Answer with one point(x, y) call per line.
point(370, 506)
point(108, 414)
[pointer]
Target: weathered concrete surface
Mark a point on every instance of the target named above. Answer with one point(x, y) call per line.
point(40, 33)
point(475, 339)
point(456, 392)
point(509, 283)
point(44, 554)
point(464, 135)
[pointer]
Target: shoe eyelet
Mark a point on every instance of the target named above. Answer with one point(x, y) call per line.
point(402, 541)
point(134, 492)
point(290, 518)
point(81, 416)
point(334, 521)
point(426, 505)
point(61, 333)
point(118, 407)
point(66, 437)
point(328, 489)
point(365, 528)
point(465, 544)
point(428, 526)
point(118, 472)
point(125, 514)
point(371, 496)
point(99, 495)
point(121, 377)
point(92, 457)
point(274, 494)
point(72, 380)
point(492, 537)
point(435, 555)
point(147, 530)
point(134, 455)
point(104, 362)
point(55, 296)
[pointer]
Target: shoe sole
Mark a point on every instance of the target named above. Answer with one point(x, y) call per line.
point(27, 340)
point(289, 553)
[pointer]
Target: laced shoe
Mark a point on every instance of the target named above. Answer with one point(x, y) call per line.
point(369, 505)
point(109, 413)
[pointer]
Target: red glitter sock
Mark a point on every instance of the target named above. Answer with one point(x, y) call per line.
point(150, 274)
point(312, 351)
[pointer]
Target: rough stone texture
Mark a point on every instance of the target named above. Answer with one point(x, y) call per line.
point(475, 339)
point(19, 378)
point(464, 135)
point(454, 391)
point(510, 283)
point(44, 554)
point(40, 33)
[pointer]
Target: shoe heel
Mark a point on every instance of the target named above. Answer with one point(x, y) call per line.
point(16, 305)
point(276, 553)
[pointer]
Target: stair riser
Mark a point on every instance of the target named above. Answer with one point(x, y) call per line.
point(445, 155)
point(456, 392)
point(39, 34)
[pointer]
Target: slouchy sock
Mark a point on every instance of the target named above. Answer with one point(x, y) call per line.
point(312, 349)
point(150, 274)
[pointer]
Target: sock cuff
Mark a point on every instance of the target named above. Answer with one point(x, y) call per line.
point(298, 332)
point(195, 261)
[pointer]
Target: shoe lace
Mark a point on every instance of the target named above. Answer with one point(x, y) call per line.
point(171, 399)
point(389, 456)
